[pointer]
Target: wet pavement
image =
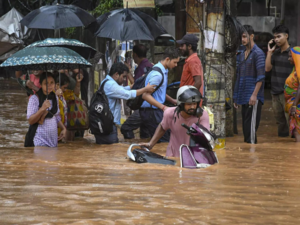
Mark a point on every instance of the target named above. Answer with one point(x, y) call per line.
point(84, 183)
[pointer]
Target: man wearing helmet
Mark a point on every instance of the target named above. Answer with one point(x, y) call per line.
point(188, 112)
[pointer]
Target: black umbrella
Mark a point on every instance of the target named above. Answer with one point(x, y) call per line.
point(57, 17)
point(127, 24)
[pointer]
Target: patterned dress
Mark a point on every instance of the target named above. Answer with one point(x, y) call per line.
point(63, 109)
point(290, 91)
point(46, 133)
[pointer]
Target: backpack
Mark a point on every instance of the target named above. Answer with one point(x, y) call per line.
point(100, 117)
point(137, 102)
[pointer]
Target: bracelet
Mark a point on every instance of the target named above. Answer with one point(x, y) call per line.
point(163, 108)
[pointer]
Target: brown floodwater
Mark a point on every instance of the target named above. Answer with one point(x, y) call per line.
point(84, 183)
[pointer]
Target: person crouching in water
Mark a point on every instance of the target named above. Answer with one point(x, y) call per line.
point(188, 112)
point(44, 116)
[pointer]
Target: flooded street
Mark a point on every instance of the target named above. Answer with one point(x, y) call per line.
point(84, 183)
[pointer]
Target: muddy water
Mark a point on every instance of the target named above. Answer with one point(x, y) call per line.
point(83, 183)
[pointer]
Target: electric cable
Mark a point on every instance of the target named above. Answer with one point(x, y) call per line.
point(25, 6)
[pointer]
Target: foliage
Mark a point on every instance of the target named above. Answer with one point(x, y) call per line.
point(158, 11)
point(69, 32)
point(107, 5)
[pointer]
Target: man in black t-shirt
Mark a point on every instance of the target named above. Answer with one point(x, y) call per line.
point(277, 61)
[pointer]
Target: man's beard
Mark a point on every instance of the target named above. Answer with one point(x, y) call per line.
point(185, 52)
point(191, 112)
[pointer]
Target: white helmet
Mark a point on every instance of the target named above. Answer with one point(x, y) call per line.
point(188, 94)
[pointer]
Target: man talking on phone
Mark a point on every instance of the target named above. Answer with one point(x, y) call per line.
point(277, 61)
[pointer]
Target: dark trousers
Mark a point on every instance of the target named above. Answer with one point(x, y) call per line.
point(108, 139)
point(151, 118)
point(282, 118)
point(132, 123)
point(251, 118)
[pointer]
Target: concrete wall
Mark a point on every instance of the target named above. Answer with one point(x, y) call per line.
point(168, 22)
point(259, 23)
point(291, 20)
point(291, 17)
point(259, 7)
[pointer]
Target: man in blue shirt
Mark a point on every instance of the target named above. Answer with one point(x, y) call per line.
point(249, 85)
point(133, 122)
point(151, 111)
point(115, 92)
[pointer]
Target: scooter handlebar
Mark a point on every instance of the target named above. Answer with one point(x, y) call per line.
point(185, 126)
point(189, 129)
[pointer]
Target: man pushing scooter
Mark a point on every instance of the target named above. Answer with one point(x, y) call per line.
point(187, 112)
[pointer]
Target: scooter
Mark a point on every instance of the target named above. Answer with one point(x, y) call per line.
point(199, 154)
point(145, 156)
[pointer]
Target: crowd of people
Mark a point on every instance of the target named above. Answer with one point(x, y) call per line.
point(49, 93)
point(283, 62)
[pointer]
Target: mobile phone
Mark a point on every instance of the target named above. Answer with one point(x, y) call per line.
point(272, 44)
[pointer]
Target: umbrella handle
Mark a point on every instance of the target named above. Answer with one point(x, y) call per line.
point(59, 79)
point(47, 82)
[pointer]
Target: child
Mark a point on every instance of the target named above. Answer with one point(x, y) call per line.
point(67, 94)
point(63, 108)
point(43, 115)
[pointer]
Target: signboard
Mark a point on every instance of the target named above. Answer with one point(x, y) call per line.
point(139, 3)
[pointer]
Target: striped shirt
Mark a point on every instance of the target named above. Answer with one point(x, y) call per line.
point(249, 72)
point(281, 69)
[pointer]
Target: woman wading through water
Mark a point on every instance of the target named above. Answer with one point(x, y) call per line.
point(44, 116)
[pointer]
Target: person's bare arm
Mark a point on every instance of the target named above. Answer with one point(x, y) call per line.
point(18, 74)
point(42, 119)
point(63, 130)
point(268, 66)
point(268, 62)
point(37, 116)
point(171, 100)
point(79, 78)
point(148, 89)
point(159, 132)
point(149, 98)
point(31, 85)
point(253, 97)
point(77, 89)
point(130, 77)
point(198, 82)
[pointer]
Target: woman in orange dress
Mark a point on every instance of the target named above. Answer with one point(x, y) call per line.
point(292, 94)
